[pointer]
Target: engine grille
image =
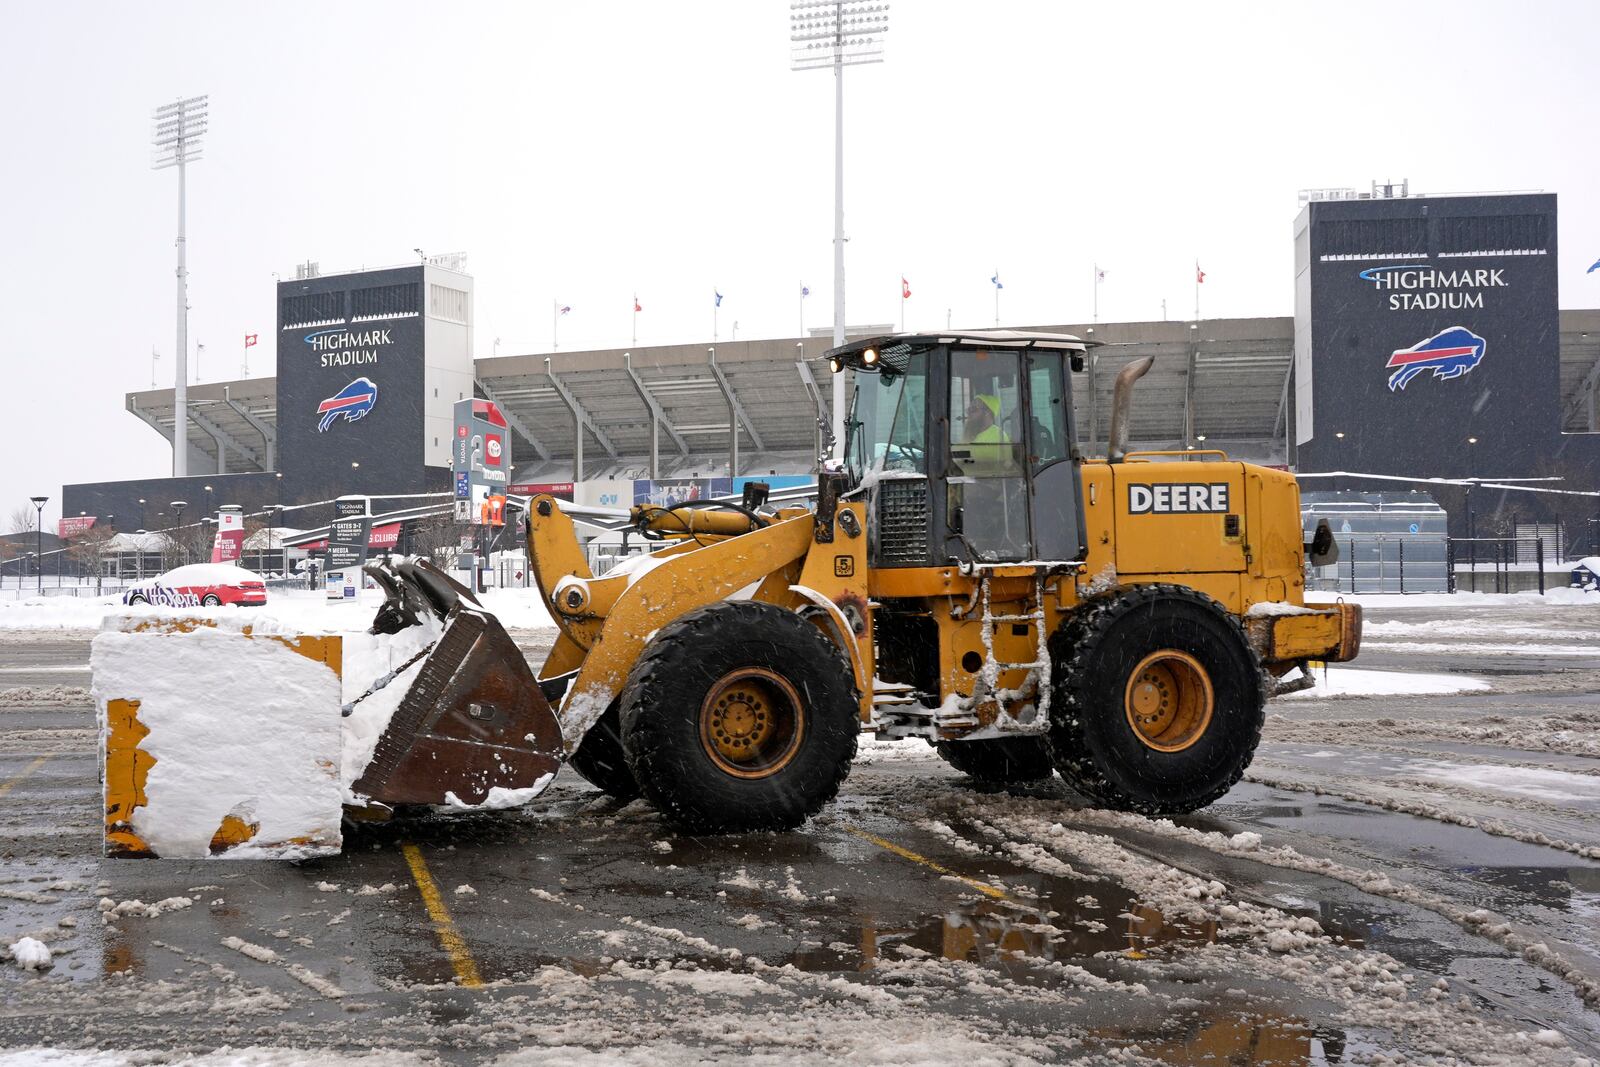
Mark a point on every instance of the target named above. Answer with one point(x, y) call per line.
point(903, 521)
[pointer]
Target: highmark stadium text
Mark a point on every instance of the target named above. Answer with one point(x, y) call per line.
point(345, 348)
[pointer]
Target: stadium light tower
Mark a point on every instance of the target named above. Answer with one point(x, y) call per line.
point(837, 34)
point(175, 142)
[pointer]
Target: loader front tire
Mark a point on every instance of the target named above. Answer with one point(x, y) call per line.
point(601, 760)
point(740, 716)
point(1158, 700)
point(1000, 760)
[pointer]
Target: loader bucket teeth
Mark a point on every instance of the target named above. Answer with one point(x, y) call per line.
point(440, 591)
point(473, 719)
point(400, 603)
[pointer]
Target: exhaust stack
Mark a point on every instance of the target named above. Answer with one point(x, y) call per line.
point(1121, 400)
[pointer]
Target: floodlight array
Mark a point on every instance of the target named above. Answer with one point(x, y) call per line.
point(175, 137)
point(823, 33)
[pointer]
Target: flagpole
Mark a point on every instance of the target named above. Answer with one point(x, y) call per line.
point(555, 317)
point(715, 304)
point(1197, 290)
point(902, 303)
point(635, 320)
point(1096, 292)
point(802, 299)
point(997, 302)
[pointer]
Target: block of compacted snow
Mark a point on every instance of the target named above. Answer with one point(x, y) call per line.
point(220, 737)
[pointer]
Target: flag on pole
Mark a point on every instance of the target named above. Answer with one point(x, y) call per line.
point(1199, 275)
point(1594, 268)
point(249, 340)
point(636, 306)
point(1099, 275)
point(718, 296)
point(805, 291)
point(905, 288)
point(565, 308)
point(995, 278)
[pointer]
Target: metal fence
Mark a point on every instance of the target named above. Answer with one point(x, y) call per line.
point(1380, 563)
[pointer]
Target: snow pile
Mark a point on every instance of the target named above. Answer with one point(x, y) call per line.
point(30, 954)
point(1352, 682)
point(1563, 787)
point(499, 798)
point(871, 749)
point(1271, 608)
point(56, 612)
point(43, 696)
point(237, 726)
point(1554, 596)
point(139, 909)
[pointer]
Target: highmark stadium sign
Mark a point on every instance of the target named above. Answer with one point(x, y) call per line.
point(340, 347)
point(1421, 287)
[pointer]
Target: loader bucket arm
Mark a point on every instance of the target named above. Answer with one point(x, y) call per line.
point(681, 582)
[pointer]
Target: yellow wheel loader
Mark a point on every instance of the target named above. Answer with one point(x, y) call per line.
point(965, 576)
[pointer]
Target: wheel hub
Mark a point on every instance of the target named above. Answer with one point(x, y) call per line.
point(1169, 700)
point(740, 722)
point(751, 723)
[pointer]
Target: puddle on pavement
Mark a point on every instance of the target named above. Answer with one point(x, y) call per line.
point(1005, 935)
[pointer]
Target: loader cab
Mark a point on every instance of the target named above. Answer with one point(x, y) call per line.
point(964, 446)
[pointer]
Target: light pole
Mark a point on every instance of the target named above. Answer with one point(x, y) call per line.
point(38, 536)
point(175, 142)
point(837, 34)
point(177, 523)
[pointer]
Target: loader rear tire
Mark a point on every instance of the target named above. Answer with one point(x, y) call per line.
point(600, 759)
point(740, 716)
point(1000, 760)
point(1158, 700)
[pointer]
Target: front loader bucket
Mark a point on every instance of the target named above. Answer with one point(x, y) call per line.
point(473, 719)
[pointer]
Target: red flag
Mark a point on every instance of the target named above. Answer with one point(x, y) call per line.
point(905, 289)
point(1199, 275)
point(249, 340)
point(636, 306)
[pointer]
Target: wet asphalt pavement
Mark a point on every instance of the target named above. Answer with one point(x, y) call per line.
point(915, 915)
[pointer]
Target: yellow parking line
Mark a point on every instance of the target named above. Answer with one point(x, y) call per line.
point(29, 769)
point(905, 853)
point(443, 924)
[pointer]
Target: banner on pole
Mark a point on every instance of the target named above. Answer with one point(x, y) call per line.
point(228, 545)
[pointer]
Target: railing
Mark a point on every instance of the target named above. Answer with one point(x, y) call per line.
point(1402, 564)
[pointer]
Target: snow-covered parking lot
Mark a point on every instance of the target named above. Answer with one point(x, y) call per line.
point(1409, 873)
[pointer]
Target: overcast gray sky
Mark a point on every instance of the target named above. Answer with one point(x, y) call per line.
point(585, 152)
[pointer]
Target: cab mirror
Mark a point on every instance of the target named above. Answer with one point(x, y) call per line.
point(1323, 551)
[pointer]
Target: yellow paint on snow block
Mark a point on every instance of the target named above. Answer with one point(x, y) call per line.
point(125, 770)
point(215, 744)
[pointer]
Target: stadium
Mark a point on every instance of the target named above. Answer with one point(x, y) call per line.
point(1305, 391)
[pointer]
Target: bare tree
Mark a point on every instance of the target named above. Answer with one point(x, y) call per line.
point(437, 539)
point(91, 548)
point(190, 544)
point(22, 519)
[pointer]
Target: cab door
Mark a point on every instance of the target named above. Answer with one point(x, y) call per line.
point(1056, 492)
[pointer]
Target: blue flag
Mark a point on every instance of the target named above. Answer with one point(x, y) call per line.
point(805, 291)
point(996, 279)
point(719, 298)
point(1594, 268)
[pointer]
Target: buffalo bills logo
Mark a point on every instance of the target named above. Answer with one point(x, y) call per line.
point(351, 402)
point(1449, 354)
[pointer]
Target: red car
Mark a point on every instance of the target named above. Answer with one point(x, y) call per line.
point(201, 585)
